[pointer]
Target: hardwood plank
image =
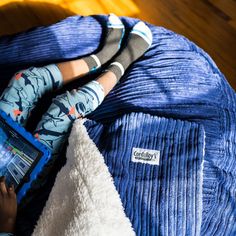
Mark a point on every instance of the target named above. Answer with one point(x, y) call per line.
point(200, 21)
point(211, 24)
point(233, 23)
point(227, 6)
point(86, 7)
point(32, 13)
point(120, 7)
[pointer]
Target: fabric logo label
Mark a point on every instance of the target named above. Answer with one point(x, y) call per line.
point(146, 156)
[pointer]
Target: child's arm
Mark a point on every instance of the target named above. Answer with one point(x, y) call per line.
point(8, 208)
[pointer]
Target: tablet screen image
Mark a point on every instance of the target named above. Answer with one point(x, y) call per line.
point(17, 155)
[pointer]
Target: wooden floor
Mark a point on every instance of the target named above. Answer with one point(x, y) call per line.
point(211, 24)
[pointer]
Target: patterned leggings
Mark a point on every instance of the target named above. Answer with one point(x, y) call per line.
point(27, 86)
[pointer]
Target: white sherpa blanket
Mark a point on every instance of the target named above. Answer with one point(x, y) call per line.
point(84, 200)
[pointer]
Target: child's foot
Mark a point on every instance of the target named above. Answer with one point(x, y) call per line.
point(8, 207)
point(112, 43)
point(139, 41)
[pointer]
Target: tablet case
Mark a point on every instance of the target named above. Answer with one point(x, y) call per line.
point(46, 154)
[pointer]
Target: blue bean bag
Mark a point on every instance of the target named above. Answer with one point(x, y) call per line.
point(175, 89)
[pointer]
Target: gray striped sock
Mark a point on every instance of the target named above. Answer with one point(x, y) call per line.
point(139, 41)
point(115, 32)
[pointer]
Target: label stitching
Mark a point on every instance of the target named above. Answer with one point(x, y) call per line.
point(145, 156)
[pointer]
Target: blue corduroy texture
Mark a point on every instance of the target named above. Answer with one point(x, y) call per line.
point(174, 79)
point(163, 199)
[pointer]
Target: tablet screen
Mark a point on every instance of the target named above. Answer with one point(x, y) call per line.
point(17, 155)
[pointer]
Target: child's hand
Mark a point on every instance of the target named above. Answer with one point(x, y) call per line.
point(8, 207)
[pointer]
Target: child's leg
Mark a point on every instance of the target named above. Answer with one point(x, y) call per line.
point(56, 123)
point(27, 86)
point(73, 69)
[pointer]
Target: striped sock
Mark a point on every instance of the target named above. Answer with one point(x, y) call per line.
point(115, 32)
point(139, 41)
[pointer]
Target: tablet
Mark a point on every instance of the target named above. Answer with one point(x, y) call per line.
point(22, 157)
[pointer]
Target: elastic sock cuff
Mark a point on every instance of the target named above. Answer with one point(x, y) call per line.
point(116, 70)
point(92, 62)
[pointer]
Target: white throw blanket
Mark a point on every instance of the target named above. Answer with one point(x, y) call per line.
point(84, 200)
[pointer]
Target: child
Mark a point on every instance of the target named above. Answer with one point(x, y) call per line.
point(27, 86)
point(8, 207)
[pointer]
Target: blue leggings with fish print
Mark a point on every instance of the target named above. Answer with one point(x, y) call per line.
point(28, 86)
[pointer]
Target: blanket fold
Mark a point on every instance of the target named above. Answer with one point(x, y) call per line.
point(83, 200)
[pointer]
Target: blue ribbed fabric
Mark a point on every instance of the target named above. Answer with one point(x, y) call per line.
point(174, 79)
point(164, 199)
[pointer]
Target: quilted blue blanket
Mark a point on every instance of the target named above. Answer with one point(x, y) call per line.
point(181, 105)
